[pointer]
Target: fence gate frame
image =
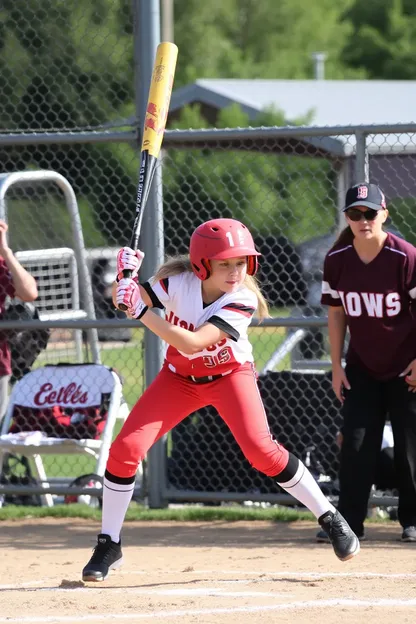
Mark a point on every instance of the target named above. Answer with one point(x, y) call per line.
point(7, 180)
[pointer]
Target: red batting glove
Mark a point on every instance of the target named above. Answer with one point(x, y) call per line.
point(128, 293)
point(129, 259)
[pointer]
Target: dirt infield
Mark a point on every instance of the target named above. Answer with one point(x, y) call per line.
point(206, 573)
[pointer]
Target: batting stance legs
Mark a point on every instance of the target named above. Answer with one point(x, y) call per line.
point(167, 401)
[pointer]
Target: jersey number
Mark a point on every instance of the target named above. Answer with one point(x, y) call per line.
point(221, 358)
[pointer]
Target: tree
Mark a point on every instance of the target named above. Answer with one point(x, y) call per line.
point(267, 39)
point(68, 66)
point(383, 41)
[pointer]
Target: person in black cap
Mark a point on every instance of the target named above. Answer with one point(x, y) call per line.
point(369, 284)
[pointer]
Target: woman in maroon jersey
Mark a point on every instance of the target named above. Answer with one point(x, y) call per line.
point(369, 284)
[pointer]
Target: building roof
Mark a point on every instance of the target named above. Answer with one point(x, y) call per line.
point(333, 102)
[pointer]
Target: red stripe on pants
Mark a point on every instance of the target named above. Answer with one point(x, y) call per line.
point(171, 398)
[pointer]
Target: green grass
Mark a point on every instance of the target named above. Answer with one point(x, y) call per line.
point(140, 512)
point(137, 512)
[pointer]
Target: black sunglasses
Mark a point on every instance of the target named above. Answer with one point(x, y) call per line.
point(356, 215)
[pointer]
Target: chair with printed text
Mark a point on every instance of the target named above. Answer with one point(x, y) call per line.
point(62, 409)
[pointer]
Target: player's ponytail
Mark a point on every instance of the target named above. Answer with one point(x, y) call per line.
point(346, 237)
point(173, 266)
point(251, 283)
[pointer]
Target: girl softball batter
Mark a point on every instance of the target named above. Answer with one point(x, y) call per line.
point(209, 300)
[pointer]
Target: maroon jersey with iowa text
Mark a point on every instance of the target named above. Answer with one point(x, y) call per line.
point(379, 303)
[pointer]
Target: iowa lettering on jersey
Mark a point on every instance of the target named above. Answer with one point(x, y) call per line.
point(374, 304)
point(174, 320)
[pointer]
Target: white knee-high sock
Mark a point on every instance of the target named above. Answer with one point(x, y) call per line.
point(116, 500)
point(304, 487)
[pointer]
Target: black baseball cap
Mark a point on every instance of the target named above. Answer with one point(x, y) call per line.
point(365, 194)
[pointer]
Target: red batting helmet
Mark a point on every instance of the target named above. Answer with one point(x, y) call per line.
point(220, 239)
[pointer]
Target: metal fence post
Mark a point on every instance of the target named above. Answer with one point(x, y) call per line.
point(362, 165)
point(342, 171)
point(146, 40)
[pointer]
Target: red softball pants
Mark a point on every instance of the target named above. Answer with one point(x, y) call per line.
point(171, 398)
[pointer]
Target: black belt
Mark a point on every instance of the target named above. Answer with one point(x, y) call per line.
point(204, 380)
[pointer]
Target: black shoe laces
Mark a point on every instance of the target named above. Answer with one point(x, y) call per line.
point(338, 529)
point(101, 552)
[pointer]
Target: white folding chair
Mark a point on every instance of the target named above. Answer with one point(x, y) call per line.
point(74, 386)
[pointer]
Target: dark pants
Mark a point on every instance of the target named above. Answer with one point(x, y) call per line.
point(385, 478)
point(364, 411)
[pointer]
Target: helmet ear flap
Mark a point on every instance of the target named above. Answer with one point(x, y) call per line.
point(252, 265)
point(207, 266)
point(203, 269)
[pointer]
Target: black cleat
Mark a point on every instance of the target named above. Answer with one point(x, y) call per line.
point(107, 556)
point(343, 539)
point(323, 538)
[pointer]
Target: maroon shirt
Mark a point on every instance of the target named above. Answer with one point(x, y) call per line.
point(379, 303)
point(6, 288)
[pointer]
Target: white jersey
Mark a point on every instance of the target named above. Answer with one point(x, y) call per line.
point(181, 297)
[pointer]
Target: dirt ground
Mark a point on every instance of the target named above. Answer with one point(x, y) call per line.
point(254, 572)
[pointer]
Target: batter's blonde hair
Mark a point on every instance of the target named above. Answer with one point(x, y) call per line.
point(182, 264)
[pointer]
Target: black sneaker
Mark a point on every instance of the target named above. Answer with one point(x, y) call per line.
point(107, 556)
point(409, 534)
point(323, 538)
point(344, 541)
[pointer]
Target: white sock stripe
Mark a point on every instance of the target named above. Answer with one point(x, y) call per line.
point(116, 490)
point(295, 480)
point(118, 487)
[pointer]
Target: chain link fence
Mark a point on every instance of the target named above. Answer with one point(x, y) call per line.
point(288, 186)
point(66, 74)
